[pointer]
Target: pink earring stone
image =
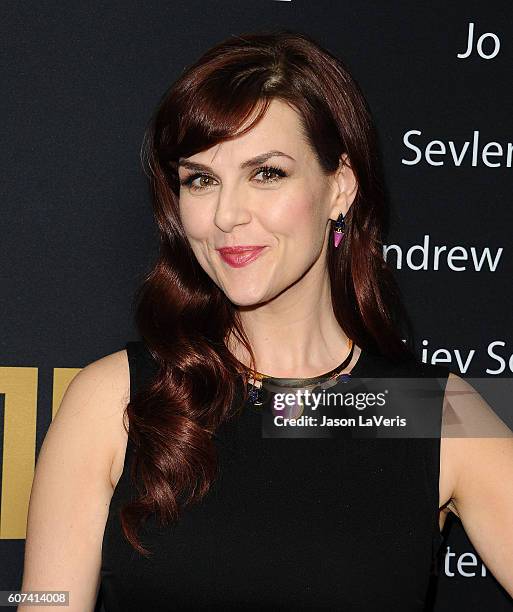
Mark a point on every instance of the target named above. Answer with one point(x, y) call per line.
point(337, 237)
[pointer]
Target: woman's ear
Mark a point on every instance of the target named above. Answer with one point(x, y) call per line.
point(345, 188)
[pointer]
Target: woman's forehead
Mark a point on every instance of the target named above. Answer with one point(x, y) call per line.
point(279, 131)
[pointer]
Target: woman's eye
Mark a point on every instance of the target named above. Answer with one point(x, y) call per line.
point(205, 181)
point(268, 171)
point(200, 182)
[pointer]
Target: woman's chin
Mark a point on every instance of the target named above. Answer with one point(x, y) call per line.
point(244, 296)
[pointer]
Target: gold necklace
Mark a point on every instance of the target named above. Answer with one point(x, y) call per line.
point(257, 377)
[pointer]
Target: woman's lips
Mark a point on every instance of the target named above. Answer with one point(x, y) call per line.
point(237, 257)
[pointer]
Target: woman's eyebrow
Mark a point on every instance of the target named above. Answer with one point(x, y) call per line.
point(254, 161)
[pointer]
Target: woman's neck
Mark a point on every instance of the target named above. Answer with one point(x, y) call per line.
point(294, 335)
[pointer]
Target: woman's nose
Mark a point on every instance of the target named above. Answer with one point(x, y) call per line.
point(232, 209)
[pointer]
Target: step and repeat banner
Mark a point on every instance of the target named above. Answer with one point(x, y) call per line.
point(80, 81)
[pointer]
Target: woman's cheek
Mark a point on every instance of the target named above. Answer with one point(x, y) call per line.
point(194, 224)
point(298, 217)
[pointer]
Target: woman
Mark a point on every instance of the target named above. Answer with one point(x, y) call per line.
point(268, 199)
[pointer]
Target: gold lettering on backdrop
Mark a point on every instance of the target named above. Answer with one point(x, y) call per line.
point(19, 387)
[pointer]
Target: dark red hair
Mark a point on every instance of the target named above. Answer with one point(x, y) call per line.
point(182, 315)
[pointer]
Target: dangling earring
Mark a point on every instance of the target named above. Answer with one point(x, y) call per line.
point(338, 232)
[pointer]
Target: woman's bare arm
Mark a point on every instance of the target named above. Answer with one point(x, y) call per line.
point(483, 485)
point(73, 484)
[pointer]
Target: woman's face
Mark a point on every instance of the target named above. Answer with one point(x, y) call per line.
point(281, 204)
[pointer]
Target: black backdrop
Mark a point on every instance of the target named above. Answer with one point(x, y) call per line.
point(79, 81)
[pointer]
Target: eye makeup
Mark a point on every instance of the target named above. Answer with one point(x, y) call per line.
point(279, 172)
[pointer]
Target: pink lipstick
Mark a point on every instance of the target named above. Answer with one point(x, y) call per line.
point(240, 256)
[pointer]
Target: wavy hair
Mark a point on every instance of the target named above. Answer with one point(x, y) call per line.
point(182, 316)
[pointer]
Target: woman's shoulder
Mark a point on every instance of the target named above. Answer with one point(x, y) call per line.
point(128, 369)
point(108, 378)
point(72, 483)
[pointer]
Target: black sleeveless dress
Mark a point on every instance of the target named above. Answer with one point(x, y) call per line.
point(290, 524)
